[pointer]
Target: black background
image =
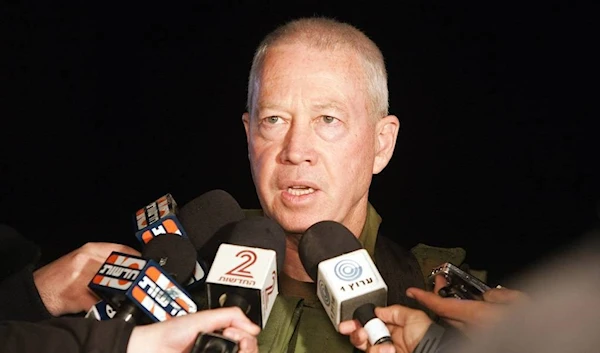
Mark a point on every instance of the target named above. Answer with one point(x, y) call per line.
point(106, 107)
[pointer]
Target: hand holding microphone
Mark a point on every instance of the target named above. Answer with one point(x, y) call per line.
point(244, 275)
point(196, 222)
point(149, 285)
point(62, 284)
point(408, 328)
point(180, 333)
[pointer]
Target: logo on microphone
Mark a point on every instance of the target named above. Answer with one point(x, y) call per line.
point(241, 270)
point(324, 293)
point(348, 270)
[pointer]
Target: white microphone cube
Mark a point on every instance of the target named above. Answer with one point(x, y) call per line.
point(348, 281)
point(248, 272)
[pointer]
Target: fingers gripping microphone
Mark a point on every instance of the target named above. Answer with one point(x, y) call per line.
point(348, 284)
point(376, 329)
point(243, 274)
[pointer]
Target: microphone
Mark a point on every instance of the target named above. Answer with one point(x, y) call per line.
point(159, 217)
point(348, 284)
point(206, 220)
point(243, 274)
point(101, 311)
point(114, 278)
point(148, 284)
point(245, 267)
point(157, 294)
point(202, 217)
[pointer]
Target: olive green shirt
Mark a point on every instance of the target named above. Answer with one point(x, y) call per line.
point(299, 324)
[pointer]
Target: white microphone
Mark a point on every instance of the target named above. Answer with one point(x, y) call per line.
point(245, 267)
point(348, 284)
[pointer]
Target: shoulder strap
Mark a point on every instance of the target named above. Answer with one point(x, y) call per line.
point(400, 270)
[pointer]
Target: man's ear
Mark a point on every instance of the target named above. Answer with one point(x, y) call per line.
point(246, 120)
point(387, 133)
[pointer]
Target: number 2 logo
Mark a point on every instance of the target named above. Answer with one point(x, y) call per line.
point(241, 270)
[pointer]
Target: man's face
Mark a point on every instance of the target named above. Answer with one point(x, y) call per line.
point(312, 142)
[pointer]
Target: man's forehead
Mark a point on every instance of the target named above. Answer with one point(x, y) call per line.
point(320, 104)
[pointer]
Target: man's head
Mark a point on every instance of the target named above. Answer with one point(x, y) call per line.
point(317, 123)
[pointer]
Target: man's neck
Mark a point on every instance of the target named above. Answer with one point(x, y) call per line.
point(293, 266)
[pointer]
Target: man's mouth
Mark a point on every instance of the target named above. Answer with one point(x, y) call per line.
point(300, 190)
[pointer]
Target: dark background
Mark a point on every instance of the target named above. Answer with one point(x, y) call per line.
point(106, 107)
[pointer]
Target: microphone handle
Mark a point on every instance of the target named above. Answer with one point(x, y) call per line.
point(214, 342)
point(128, 312)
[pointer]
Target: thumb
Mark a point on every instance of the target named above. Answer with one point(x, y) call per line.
point(400, 315)
point(503, 295)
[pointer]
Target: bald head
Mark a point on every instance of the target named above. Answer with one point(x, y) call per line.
point(327, 35)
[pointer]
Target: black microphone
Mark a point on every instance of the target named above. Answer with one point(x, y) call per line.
point(348, 284)
point(201, 216)
point(208, 220)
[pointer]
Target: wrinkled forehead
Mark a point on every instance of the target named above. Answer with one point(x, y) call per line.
point(318, 71)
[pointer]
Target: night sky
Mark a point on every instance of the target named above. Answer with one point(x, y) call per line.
point(107, 107)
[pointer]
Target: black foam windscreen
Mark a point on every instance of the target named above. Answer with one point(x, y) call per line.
point(204, 215)
point(257, 232)
point(322, 241)
point(175, 254)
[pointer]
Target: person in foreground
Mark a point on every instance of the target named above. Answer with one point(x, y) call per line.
point(70, 334)
point(318, 129)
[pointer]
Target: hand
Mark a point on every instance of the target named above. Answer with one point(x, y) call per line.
point(63, 283)
point(407, 328)
point(462, 313)
point(179, 334)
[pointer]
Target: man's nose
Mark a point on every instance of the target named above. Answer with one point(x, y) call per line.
point(299, 145)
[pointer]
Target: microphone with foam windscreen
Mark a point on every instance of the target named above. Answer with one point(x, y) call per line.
point(198, 220)
point(201, 218)
point(245, 267)
point(348, 284)
point(206, 220)
point(249, 254)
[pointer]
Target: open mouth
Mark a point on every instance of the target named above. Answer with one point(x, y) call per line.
point(300, 190)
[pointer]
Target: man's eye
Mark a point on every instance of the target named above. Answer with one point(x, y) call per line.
point(328, 119)
point(272, 119)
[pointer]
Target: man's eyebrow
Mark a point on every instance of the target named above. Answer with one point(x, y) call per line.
point(263, 105)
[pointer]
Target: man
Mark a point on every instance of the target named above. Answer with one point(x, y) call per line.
point(318, 129)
